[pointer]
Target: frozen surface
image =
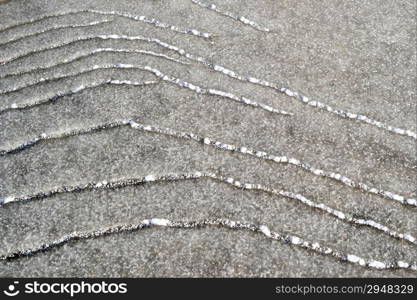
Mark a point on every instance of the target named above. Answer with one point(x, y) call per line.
point(358, 57)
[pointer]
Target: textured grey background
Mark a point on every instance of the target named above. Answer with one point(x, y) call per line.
point(356, 55)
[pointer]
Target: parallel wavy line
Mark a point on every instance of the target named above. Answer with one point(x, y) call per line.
point(218, 145)
point(54, 28)
point(173, 80)
point(144, 19)
point(225, 223)
point(231, 15)
point(120, 183)
point(233, 74)
point(80, 56)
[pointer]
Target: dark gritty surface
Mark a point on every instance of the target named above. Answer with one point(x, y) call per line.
point(359, 56)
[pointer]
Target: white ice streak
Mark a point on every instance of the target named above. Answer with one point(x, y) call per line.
point(208, 91)
point(78, 57)
point(155, 22)
point(82, 39)
point(265, 83)
point(143, 19)
point(260, 154)
point(78, 89)
point(222, 223)
point(265, 230)
point(280, 159)
point(292, 94)
point(235, 17)
point(160, 222)
point(89, 53)
point(237, 76)
point(233, 74)
point(157, 73)
point(54, 28)
point(110, 184)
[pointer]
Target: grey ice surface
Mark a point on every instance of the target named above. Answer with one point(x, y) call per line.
point(355, 55)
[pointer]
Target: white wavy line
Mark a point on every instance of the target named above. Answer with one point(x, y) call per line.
point(173, 80)
point(54, 28)
point(144, 19)
point(233, 16)
point(36, 20)
point(87, 54)
point(92, 37)
point(113, 183)
point(224, 146)
point(303, 99)
point(226, 223)
point(81, 56)
point(233, 74)
point(152, 21)
point(75, 90)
